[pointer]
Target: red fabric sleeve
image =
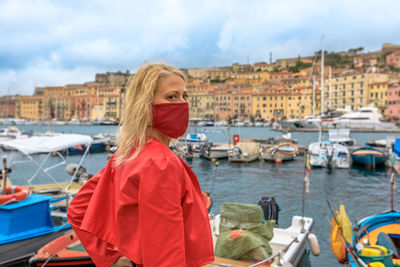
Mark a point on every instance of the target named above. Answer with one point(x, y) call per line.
point(101, 252)
point(162, 237)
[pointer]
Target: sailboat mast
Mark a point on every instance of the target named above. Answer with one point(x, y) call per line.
point(313, 96)
point(330, 88)
point(322, 76)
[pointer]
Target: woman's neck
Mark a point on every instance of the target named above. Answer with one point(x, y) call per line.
point(162, 138)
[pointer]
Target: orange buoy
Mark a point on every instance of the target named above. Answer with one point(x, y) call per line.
point(14, 194)
point(278, 160)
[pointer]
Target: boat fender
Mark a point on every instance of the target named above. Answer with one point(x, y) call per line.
point(314, 245)
point(278, 160)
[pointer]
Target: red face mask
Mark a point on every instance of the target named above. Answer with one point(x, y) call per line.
point(171, 118)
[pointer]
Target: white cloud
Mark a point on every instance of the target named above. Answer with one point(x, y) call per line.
point(58, 38)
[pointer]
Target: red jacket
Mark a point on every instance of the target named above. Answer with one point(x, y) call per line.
point(149, 210)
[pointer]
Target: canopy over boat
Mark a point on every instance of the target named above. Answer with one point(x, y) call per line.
point(46, 143)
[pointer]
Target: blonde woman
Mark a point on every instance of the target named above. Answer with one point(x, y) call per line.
point(145, 208)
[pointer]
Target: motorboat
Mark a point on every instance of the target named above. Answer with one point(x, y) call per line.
point(244, 151)
point(363, 118)
point(99, 144)
point(239, 124)
point(37, 171)
point(287, 245)
point(27, 225)
point(281, 152)
point(341, 136)
point(217, 151)
point(369, 156)
point(194, 137)
point(327, 154)
point(13, 132)
point(220, 124)
point(387, 142)
point(66, 250)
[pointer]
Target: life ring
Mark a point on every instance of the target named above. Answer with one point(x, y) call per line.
point(14, 194)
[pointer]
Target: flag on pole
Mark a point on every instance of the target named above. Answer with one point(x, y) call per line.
point(392, 174)
point(307, 174)
point(393, 160)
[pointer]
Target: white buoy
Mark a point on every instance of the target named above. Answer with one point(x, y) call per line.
point(314, 245)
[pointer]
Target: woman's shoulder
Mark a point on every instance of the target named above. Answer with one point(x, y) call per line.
point(157, 154)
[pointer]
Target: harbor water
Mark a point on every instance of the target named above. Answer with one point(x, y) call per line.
point(364, 192)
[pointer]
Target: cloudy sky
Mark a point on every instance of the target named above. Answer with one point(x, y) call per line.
point(48, 43)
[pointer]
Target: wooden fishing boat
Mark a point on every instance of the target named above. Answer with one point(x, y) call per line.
point(20, 237)
point(219, 151)
point(244, 151)
point(381, 229)
point(66, 250)
point(369, 156)
point(281, 152)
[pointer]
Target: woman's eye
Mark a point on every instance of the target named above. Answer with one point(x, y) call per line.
point(171, 97)
point(185, 97)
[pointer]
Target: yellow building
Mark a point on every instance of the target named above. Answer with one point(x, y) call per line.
point(252, 78)
point(201, 106)
point(29, 108)
point(351, 89)
point(63, 107)
point(378, 93)
point(278, 102)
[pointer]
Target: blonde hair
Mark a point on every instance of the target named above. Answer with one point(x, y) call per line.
point(138, 109)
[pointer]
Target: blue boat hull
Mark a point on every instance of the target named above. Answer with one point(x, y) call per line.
point(376, 158)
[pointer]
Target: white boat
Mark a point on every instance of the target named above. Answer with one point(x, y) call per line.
point(363, 118)
point(218, 151)
point(387, 142)
point(288, 244)
point(22, 153)
point(329, 155)
point(245, 151)
point(201, 123)
point(13, 132)
point(282, 152)
point(341, 136)
point(194, 137)
point(239, 124)
point(220, 124)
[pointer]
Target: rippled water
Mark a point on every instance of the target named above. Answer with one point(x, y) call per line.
point(364, 192)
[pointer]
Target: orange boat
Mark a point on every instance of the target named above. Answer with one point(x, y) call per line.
point(66, 250)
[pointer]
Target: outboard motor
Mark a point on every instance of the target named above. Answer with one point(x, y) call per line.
point(270, 208)
point(329, 155)
point(71, 169)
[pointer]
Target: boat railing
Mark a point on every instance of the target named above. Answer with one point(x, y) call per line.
point(278, 254)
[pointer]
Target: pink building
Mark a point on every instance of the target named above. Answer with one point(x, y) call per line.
point(394, 101)
point(393, 59)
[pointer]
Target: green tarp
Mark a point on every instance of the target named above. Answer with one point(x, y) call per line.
point(243, 232)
